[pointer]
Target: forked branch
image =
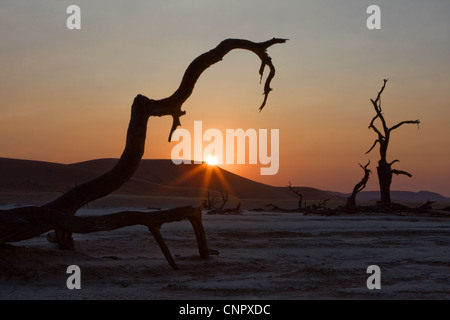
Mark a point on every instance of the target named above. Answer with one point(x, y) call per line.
point(373, 146)
point(377, 106)
point(351, 200)
point(172, 105)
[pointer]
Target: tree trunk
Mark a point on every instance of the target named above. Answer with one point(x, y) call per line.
point(71, 201)
point(384, 178)
point(351, 200)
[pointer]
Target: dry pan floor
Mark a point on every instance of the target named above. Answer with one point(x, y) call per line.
point(261, 256)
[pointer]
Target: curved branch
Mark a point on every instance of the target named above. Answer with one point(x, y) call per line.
point(377, 106)
point(392, 162)
point(204, 61)
point(373, 146)
point(294, 191)
point(77, 197)
point(405, 122)
point(364, 167)
point(398, 172)
point(377, 100)
point(143, 108)
point(372, 126)
point(361, 185)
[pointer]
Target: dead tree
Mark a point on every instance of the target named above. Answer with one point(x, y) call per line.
point(300, 207)
point(224, 200)
point(236, 209)
point(426, 206)
point(28, 222)
point(351, 201)
point(210, 201)
point(300, 201)
point(220, 209)
point(384, 168)
point(322, 204)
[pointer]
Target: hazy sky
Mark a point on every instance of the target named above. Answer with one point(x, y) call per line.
point(65, 95)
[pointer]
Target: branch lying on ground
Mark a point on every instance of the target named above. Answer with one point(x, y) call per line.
point(20, 223)
point(425, 209)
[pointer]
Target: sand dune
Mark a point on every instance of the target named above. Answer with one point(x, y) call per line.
point(202, 176)
point(154, 183)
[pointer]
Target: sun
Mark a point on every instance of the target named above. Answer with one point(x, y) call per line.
point(211, 160)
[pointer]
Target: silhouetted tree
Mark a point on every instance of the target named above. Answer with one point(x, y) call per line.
point(298, 193)
point(351, 200)
point(384, 168)
point(224, 197)
point(210, 201)
point(28, 222)
point(217, 208)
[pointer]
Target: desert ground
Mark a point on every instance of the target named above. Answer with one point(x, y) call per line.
point(261, 255)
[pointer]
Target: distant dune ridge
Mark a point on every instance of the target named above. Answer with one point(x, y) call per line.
point(160, 178)
point(155, 178)
point(398, 196)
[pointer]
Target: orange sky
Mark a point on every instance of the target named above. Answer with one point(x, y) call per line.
point(66, 95)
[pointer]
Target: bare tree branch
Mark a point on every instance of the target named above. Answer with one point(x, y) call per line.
point(404, 122)
point(367, 173)
point(373, 146)
point(364, 167)
point(220, 209)
point(372, 126)
point(351, 200)
point(377, 106)
point(398, 172)
point(224, 199)
point(298, 194)
point(210, 201)
point(392, 162)
point(172, 105)
point(379, 93)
